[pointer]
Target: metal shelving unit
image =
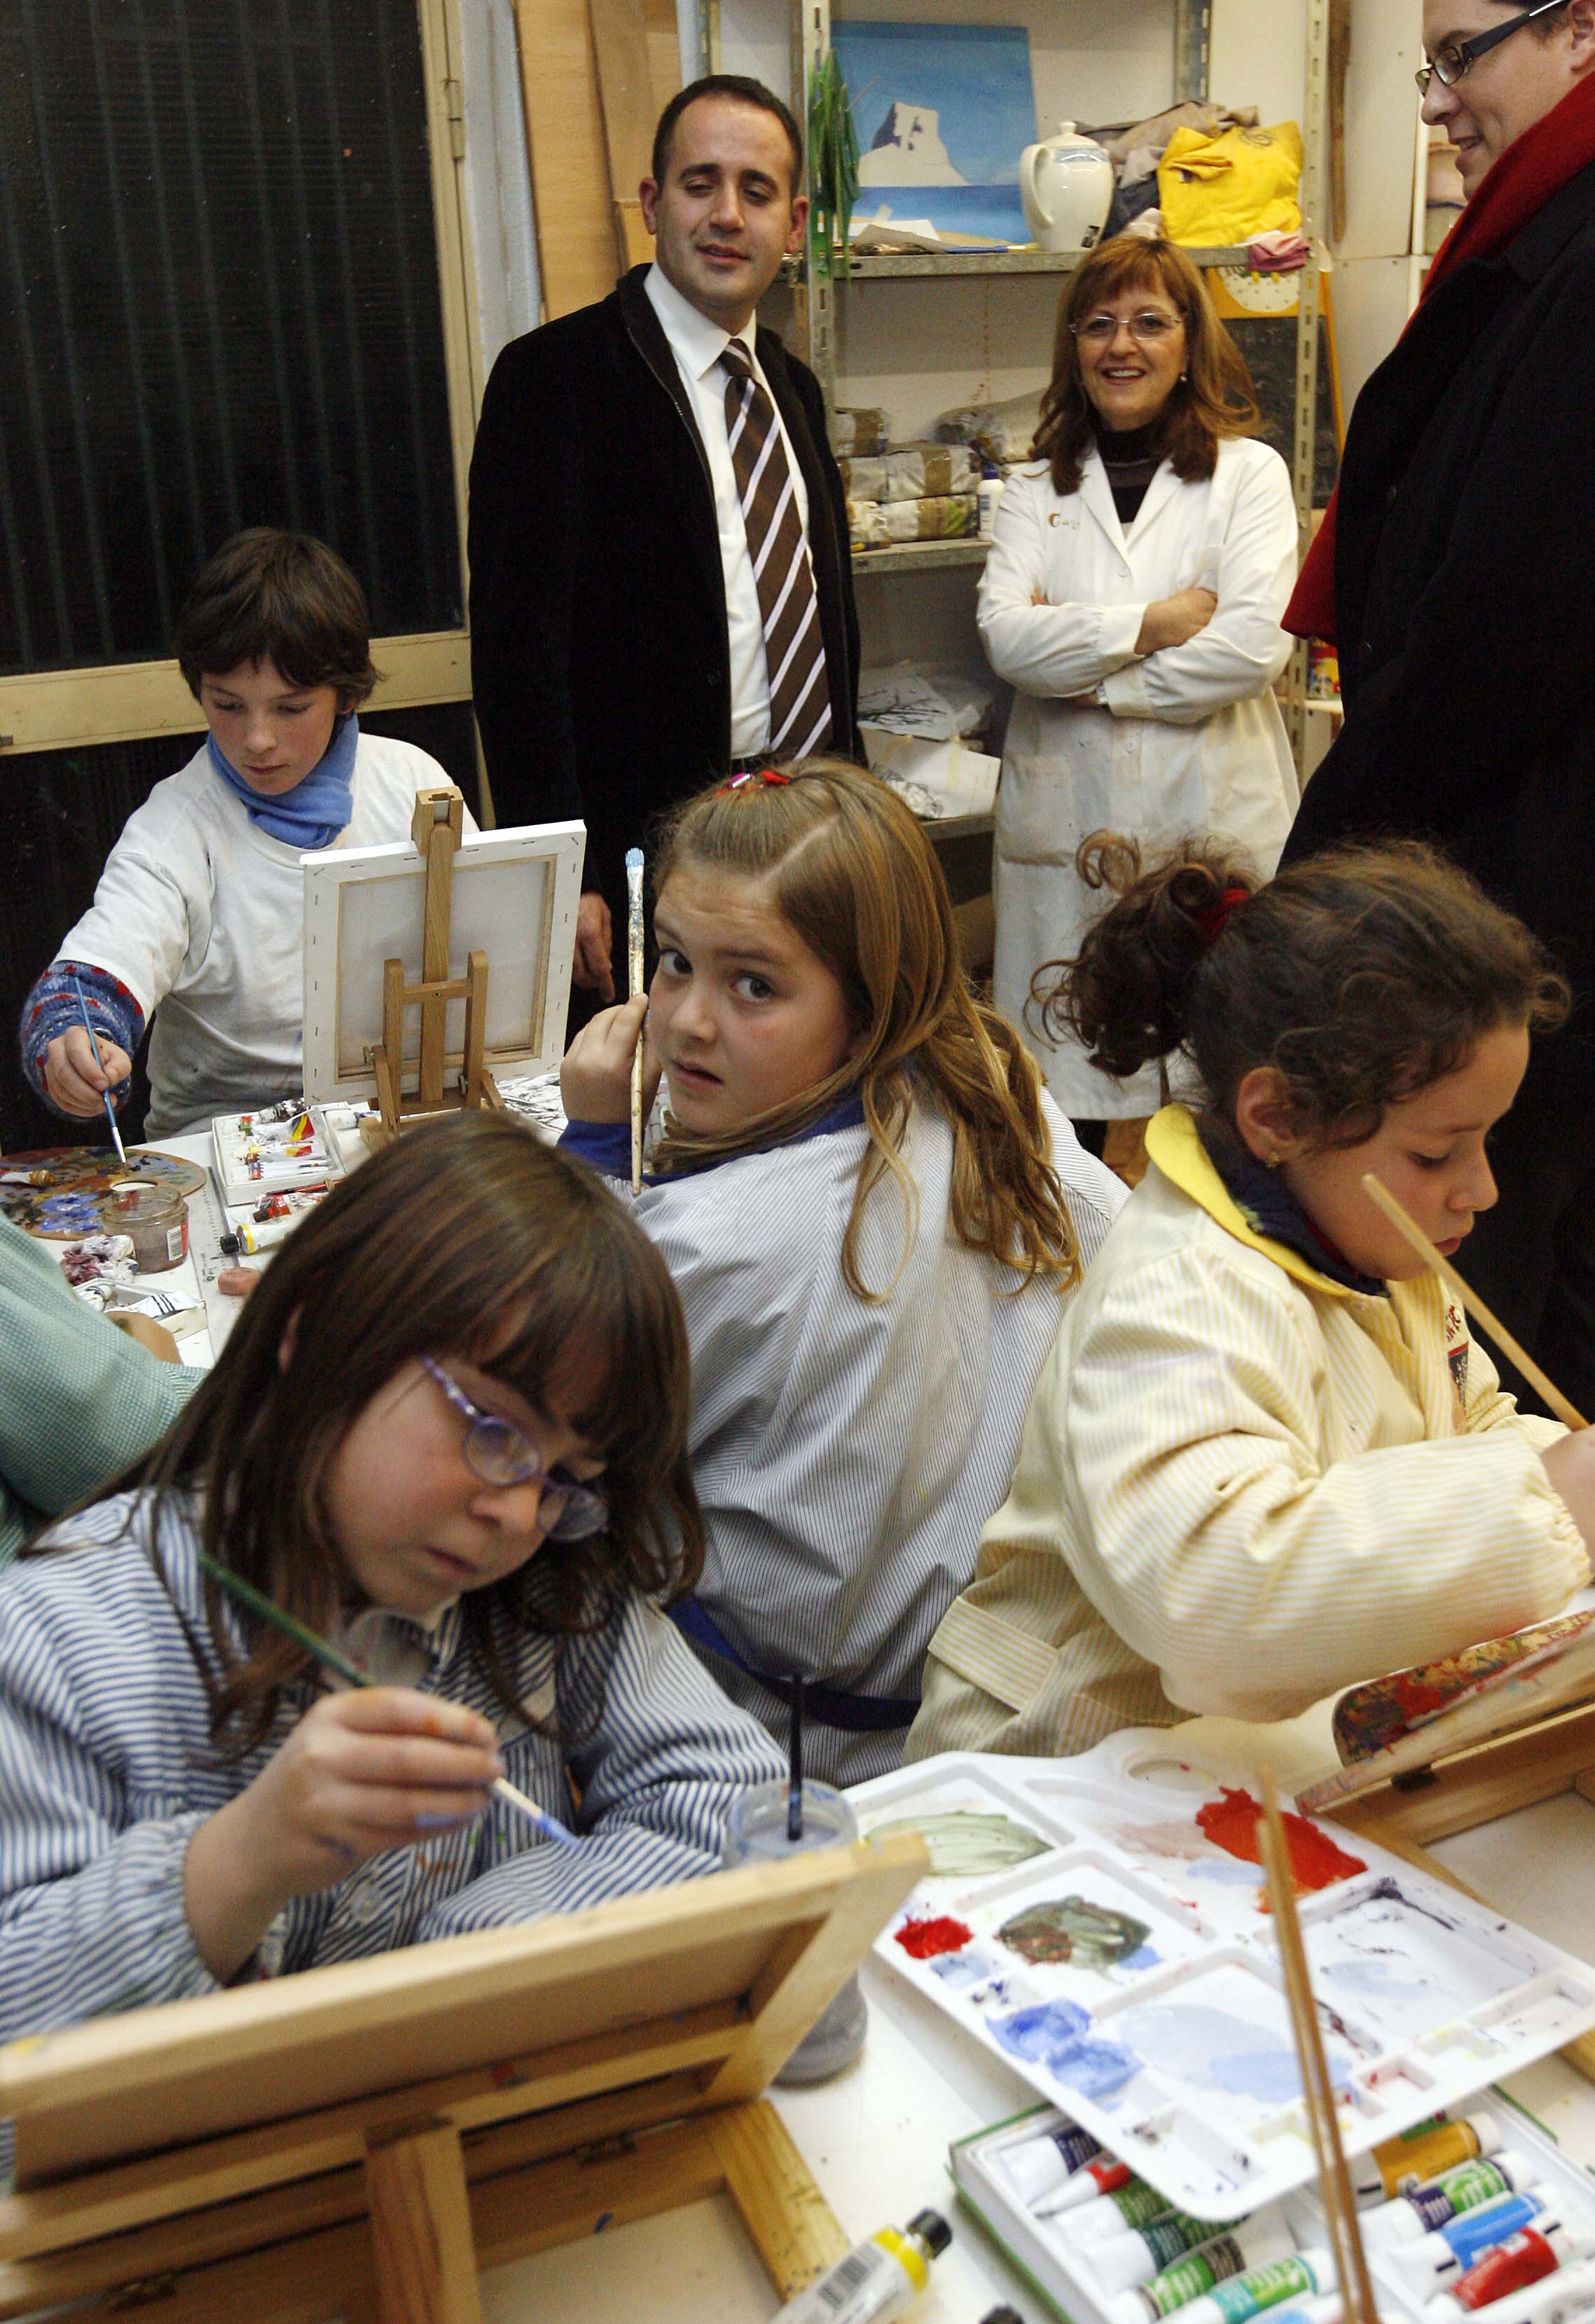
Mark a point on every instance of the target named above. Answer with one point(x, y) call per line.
point(919, 556)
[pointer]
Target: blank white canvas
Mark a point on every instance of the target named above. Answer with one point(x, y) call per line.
point(515, 895)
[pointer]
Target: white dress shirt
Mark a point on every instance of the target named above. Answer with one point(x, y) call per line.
point(697, 346)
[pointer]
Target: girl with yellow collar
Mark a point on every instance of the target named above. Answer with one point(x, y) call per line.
point(1262, 1461)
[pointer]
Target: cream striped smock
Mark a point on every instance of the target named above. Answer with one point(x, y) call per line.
point(1241, 1486)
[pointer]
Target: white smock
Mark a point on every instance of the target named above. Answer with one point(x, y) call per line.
point(1189, 740)
point(201, 915)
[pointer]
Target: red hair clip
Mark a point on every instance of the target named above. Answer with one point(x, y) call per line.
point(747, 775)
point(1211, 923)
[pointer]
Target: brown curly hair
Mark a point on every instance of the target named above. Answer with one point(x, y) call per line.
point(854, 874)
point(1360, 975)
point(466, 1237)
point(1214, 401)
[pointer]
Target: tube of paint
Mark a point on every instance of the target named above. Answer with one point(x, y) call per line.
point(1325, 2310)
point(1106, 2176)
point(1422, 2211)
point(1136, 2257)
point(1038, 2167)
point(874, 2279)
point(1421, 2153)
point(1522, 2260)
point(1262, 2288)
point(1136, 2205)
point(1435, 2261)
point(256, 1234)
point(1560, 2298)
point(1252, 2243)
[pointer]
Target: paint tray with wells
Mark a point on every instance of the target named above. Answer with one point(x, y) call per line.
point(1076, 1923)
point(1005, 2177)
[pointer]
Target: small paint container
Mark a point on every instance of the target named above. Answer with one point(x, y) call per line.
point(1427, 2210)
point(756, 1833)
point(156, 1220)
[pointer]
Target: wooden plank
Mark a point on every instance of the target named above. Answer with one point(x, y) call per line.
point(638, 59)
point(423, 2257)
point(476, 1027)
point(334, 2198)
point(230, 2061)
point(794, 2231)
point(564, 138)
point(1488, 1780)
point(437, 827)
point(220, 2170)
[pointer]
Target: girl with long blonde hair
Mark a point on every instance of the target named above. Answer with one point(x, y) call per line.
point(875, 1218)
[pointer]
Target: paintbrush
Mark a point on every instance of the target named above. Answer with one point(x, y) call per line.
point(1339, 2205)
point(1413, 1233)
point(634, 958)
point(104, 1094)
point(795, 1780)
point(334, 1659)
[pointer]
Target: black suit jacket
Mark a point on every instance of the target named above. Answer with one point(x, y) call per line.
point(1465, 585)
point(599, 648)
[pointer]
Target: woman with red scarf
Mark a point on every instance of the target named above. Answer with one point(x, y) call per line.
point(1456, 573)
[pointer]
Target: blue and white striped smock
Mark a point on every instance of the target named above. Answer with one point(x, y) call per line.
point(106, 1769)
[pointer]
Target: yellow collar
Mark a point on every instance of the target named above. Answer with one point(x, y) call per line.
point(1174, 1145)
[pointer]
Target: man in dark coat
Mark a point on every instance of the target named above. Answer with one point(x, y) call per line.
point(640, 604)
point(1464, 603)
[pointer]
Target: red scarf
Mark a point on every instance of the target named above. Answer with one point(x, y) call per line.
point(1533, 167)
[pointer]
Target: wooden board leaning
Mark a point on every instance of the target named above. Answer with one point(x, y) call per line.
point(360, 2140)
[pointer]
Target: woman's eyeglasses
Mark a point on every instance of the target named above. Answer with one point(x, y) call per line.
point(500, 1453)
point(1146, 328)
point(1454, 59)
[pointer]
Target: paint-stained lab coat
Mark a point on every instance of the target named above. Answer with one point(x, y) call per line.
point(1188, 740)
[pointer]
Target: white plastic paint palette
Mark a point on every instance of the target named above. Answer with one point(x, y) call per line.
point(1147, 2003)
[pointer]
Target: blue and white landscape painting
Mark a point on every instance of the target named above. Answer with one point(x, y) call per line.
point(942, 113)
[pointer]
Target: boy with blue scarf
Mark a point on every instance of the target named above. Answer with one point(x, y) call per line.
point(199, 913)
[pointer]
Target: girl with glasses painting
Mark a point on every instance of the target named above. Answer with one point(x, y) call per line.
point(1457, 580)
point(1133, 597)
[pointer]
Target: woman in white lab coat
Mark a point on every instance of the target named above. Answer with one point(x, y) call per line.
point(1133, 596)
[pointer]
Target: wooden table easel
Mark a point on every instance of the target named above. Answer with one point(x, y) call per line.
point(359, 2140)
point(437, 827)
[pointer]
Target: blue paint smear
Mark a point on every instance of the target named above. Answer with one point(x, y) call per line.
point(1213, 2050)
point(971, 1967)
point(1054, 2035)
point(1226, 1871)
point(1143, 1957)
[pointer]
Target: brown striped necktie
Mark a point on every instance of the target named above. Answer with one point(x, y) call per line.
point(794, 649)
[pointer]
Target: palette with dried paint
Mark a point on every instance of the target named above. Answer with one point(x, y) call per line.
point(64, 1192)
point(1096, 2258)
point(1101, 1924)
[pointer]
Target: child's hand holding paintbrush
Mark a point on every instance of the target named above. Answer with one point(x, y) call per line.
point(362, 1772)
point(595, 1078)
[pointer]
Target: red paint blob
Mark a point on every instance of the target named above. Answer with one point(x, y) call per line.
point(924, 1940)
point(1232, 1823)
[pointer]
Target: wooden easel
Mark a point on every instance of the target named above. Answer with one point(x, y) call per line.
point(437, 828)
point(1473, 1787)
point(359, 2140)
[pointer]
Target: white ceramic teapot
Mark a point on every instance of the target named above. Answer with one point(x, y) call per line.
point(1066, 185)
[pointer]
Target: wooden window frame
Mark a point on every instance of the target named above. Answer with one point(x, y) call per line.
point(131, 702)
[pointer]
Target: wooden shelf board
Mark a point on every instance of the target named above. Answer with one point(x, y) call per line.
point(919, 556)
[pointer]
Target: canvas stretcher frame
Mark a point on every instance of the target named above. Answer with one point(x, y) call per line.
point(359, 2140)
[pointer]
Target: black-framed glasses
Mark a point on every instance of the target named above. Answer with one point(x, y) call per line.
point(1454, 59)
point(500, 1453)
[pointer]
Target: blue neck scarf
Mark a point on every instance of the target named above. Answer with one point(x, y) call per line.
point(314, 812)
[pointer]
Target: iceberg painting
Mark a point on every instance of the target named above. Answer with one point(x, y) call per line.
point(942, 113)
